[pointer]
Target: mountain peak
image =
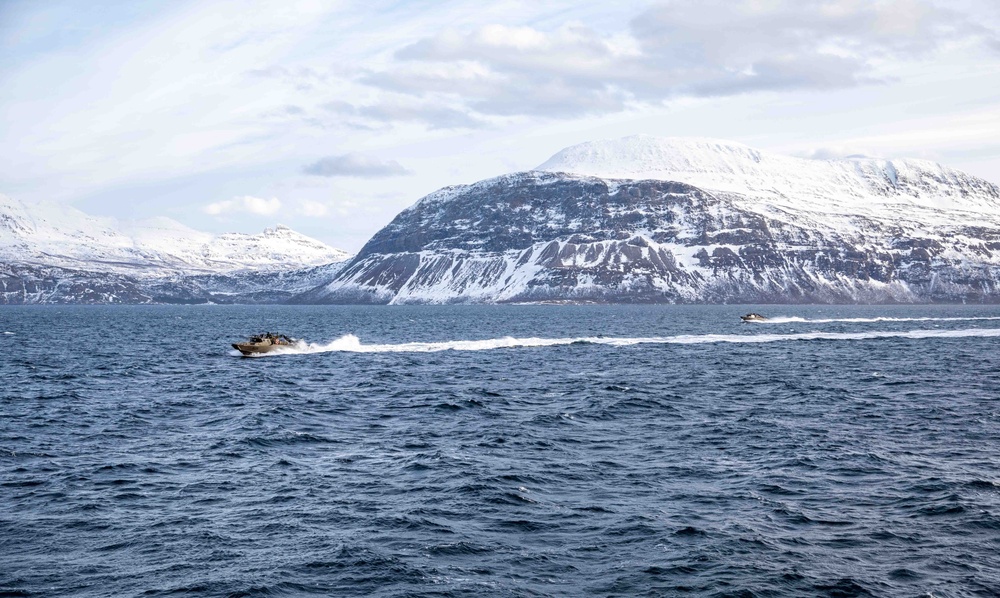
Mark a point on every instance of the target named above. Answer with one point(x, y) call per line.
point(774, 180)
point(640, 156)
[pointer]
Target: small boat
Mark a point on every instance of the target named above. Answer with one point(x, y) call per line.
point(752, 317)
point(263, 343)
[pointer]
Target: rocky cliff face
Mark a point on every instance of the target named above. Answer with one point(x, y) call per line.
point(853, 231)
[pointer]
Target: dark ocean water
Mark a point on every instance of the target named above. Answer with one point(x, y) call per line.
point(567, 451)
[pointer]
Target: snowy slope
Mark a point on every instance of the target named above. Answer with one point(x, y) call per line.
point(55, 229)
point(773, 182)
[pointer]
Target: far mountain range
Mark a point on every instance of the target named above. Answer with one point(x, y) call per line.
point(55, 254)
point(639, 219)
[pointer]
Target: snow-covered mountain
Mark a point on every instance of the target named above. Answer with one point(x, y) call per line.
point(59, 235)
point(55, 253)
point(680, 220)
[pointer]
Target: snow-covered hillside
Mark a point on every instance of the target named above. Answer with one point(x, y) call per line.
point(55, 253)
point(647, 219)
point(59, 235)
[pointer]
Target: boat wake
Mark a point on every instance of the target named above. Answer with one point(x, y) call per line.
point(795, 319)
point(350, 343)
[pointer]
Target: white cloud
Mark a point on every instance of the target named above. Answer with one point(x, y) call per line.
point(433, 113)
point(246, 204)
point(710, 48)
point(312, 208)
point(835, 153)
point(354, 165)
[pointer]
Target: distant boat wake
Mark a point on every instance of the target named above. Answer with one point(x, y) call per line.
point(794, 319)
point(350, 343)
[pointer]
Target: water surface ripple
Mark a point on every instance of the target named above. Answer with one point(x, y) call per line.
point(500, 451)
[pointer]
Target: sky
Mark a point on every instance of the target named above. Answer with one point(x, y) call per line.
point(332, 116)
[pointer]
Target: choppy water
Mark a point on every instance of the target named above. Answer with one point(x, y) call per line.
point(500, 451)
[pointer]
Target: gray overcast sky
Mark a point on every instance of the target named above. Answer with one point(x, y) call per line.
point(331, 117)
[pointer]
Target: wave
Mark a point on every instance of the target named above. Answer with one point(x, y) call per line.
point(350, 343)
point(796, 319)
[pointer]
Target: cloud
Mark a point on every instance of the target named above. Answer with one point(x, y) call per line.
point(433, 114)
point(835, 153)
point(509, 71)
point(301, 78)
point(722, 48)
point(675, 49)
point(97, 101)
point(313, 209)
point(355, 165)
point(334, 207)
point(245, 204)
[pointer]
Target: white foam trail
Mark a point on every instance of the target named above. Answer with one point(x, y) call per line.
point(6, 333)
point(351, 344)
point(794, 319)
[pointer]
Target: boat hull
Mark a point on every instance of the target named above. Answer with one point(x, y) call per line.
point(255, 348)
